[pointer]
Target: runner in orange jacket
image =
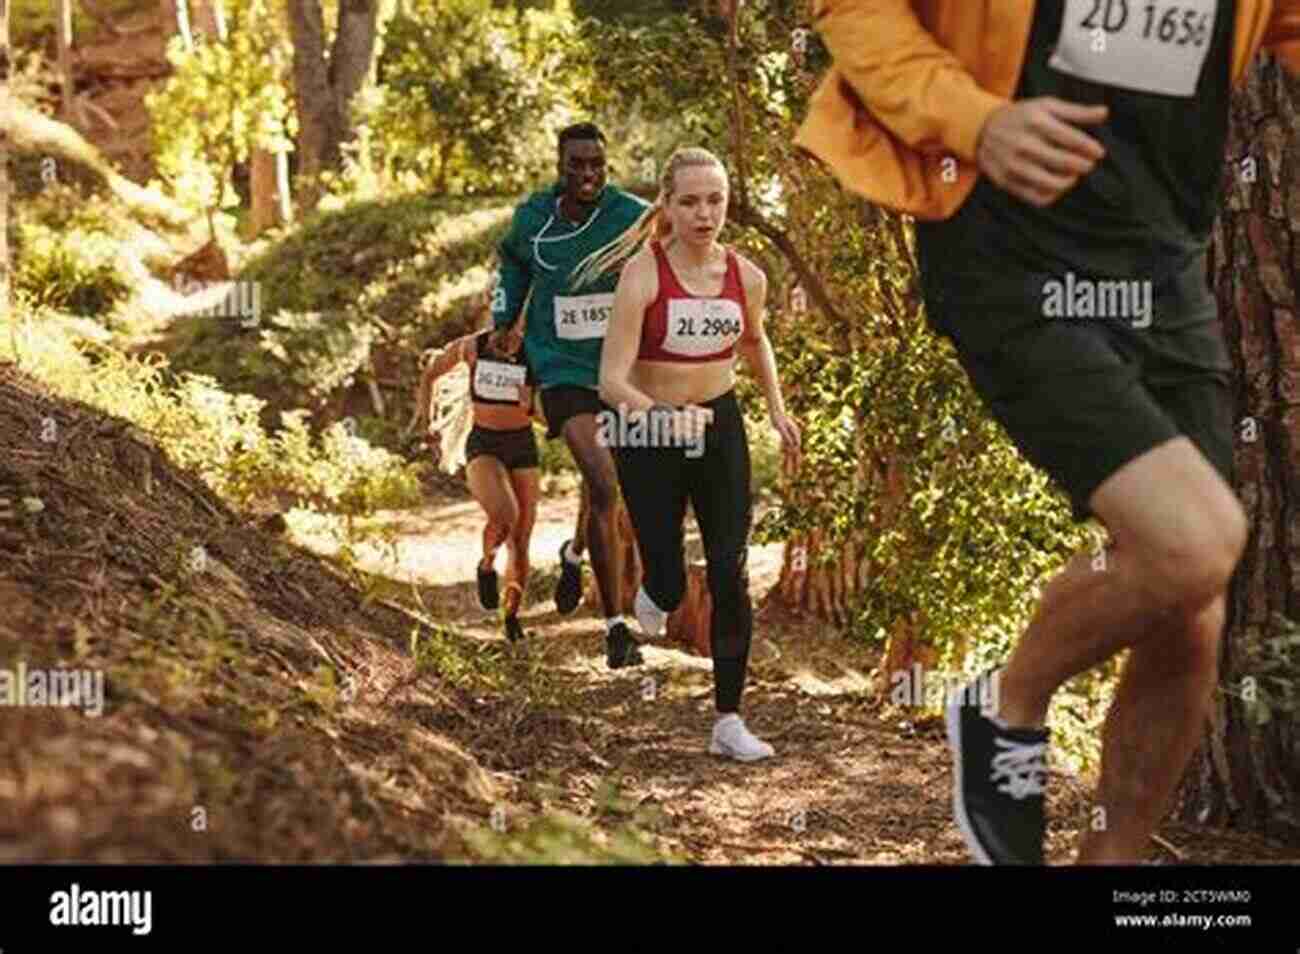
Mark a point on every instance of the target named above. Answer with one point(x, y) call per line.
point(1063, 160)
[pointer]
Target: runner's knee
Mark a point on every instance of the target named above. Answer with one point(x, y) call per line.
point(1188, 569)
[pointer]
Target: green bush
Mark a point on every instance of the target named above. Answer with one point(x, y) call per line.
point(223, 100)
point(72, 271)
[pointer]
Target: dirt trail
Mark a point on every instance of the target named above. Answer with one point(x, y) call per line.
point(852, 782)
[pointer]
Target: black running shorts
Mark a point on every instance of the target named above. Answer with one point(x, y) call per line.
point(1082, 397)
point(561, 403)
point(516, 449)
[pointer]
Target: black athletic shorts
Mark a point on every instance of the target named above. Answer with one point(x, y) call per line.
point(561, 403)
point(516, 449)
point(1082, 397)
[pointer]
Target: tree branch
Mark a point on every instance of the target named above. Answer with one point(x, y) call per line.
point(744, 214)
point(738, 113)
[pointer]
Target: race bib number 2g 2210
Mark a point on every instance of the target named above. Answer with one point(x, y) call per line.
point(578, 317)
point(1149, 46)
point(498, 381)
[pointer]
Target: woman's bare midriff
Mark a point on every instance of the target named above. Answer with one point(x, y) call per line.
point(498, 417)
point(679, 384)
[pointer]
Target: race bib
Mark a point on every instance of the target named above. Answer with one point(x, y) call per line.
point(578, 317)
point(1135, 44)
point(497, 381)
point(700, 326)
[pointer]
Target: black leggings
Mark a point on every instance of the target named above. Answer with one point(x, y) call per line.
point(656, 484)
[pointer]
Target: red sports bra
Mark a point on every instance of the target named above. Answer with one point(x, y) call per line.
point(685, 328)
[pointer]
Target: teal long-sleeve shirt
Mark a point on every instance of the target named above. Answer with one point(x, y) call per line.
point(565, 327)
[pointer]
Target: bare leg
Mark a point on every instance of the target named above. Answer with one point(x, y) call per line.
point(599, 474)
point(489, 482)
point(525, 483)
point(1178, 534)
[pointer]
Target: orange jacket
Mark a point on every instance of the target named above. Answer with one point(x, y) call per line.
point(913, 82)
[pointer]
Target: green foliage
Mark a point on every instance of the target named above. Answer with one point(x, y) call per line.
point(561, 838)
point(66, 253)
point(1269, 683)
point(901, 460)
point(34, 23)
point(392, 277)
point(215, 434)
point(469, 99)
point(223, 100)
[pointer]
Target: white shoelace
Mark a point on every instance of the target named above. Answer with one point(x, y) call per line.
point(1023, 766)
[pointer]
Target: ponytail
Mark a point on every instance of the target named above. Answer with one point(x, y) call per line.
point(653, 224)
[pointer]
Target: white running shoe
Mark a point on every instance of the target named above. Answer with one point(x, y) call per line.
point(652, 619)
point(732, 739)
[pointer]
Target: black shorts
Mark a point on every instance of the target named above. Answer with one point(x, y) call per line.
point(516, 449)
point(561, 403)
point(1082, 397)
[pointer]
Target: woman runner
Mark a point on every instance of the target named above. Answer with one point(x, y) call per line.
point(683, 310)
point(501, 461)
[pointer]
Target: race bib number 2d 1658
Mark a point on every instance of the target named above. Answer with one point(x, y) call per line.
point(578, 317)
point(1150, 46)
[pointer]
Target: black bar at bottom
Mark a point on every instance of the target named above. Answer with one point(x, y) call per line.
point(143, 907)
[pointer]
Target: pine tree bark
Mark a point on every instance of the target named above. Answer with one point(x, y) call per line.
point(1247, 776)
point(4, 166)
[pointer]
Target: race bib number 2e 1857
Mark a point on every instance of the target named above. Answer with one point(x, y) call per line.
point(578, 317)
point(1145, 45)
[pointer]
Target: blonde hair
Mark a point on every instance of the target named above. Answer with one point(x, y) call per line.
point(652, 224)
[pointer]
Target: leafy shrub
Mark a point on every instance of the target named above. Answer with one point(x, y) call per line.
point(223, 100)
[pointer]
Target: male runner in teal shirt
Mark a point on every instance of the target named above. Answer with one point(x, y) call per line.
point(564, 329)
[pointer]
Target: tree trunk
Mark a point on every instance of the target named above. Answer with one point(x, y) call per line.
point(323, 91)
point(1247, 775)
point(262, 186)
point(4, 167)
point(63, 11)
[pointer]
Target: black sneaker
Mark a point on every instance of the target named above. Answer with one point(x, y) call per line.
point(514, 631)
point(999, 776)
point(568, 590)
point(620, 648)
point(487, 588)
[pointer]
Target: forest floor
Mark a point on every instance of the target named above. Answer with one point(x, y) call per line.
point(260, 705)
point(854, 780)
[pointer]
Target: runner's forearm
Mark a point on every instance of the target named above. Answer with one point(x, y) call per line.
point(762, 362)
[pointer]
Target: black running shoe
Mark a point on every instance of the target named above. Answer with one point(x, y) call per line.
point(514, 631)
point(620, 648)
point(568, 590)
point(487, 588)
point(999, 777)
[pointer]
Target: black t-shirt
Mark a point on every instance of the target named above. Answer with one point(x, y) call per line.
point(1147, 209)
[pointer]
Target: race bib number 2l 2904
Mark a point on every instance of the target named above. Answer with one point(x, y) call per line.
point(578, 317)
point(1149, 46)
point(702, 326)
